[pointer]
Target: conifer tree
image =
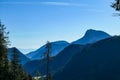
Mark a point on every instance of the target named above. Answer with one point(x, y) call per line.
point(15, 65)
point(10, 70)
point(17, 71)
point(4, 64)
point(116, 5)
point(48, 57)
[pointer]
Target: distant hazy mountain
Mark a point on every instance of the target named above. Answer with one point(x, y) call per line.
point(23, 59)
point(56, 63)
point(56, 48)
point(92, 36)
point(25, 51)
point(98, 61)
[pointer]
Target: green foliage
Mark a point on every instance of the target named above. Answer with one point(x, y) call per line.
point(10, 70)
point(116, 5)
point(17, 72)
point(4, 64)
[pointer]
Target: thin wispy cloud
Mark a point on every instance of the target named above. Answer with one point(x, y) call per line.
point(67, 4)
point(64, 4)
point(45, 3)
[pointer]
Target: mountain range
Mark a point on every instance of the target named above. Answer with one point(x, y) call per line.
point(97, 61)
point(63, 56)
point(56, 63)
point(90, 36)
point(95, 56)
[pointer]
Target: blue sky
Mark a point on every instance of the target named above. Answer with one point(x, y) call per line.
point(32, 22)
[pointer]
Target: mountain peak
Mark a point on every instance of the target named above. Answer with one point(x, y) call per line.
point(92, 32)
point(92, 36)
point(23, 59)
point(60, 42)
point(57, 46)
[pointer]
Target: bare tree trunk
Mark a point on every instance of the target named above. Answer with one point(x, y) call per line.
point(48, 47)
